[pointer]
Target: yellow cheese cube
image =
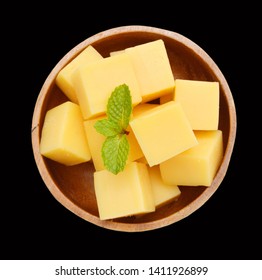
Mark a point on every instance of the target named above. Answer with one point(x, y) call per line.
point(163, 132)
point(163, 193)
point(152, 68)
point(200, 101)
point(125, 194)
point(63, 136)
point(96, 140)
point(198, 165)
point(64, 77)
point(95, 82)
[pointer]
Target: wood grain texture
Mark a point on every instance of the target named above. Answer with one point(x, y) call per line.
point(73, 186)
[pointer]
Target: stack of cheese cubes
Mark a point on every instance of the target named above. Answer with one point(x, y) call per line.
point(174, 137)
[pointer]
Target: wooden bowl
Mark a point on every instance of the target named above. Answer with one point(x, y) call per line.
point(73, 186)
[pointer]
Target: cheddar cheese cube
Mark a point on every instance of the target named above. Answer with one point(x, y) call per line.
point(162, 192)
point(152, 68)
point(125, 194)
point(198, 165)
point(64, 77)
point(200, 101)
point(163, 132)
point(95, 82)
point(63, 136)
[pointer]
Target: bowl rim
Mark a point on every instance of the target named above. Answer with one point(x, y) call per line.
point(187, 210)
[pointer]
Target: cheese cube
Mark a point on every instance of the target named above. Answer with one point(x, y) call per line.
point(95, 82)
point(198, 165)
point(152, 68)
point(63, 136)
point(163, 132)
point(125, 194)
point(163, 193)
point(96, 140)
point(200, 101)
point(64, 77)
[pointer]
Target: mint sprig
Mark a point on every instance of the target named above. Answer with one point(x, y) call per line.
point(115, 152)
point(115, 149)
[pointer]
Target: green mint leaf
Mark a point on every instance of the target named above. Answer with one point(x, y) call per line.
point(115, 153)
point(115, 149)
point(119, 106)
point(107, 127)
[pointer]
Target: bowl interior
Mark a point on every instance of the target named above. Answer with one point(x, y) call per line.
point(73, 186)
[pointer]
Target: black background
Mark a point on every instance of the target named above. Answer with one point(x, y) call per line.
point(34, 225)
